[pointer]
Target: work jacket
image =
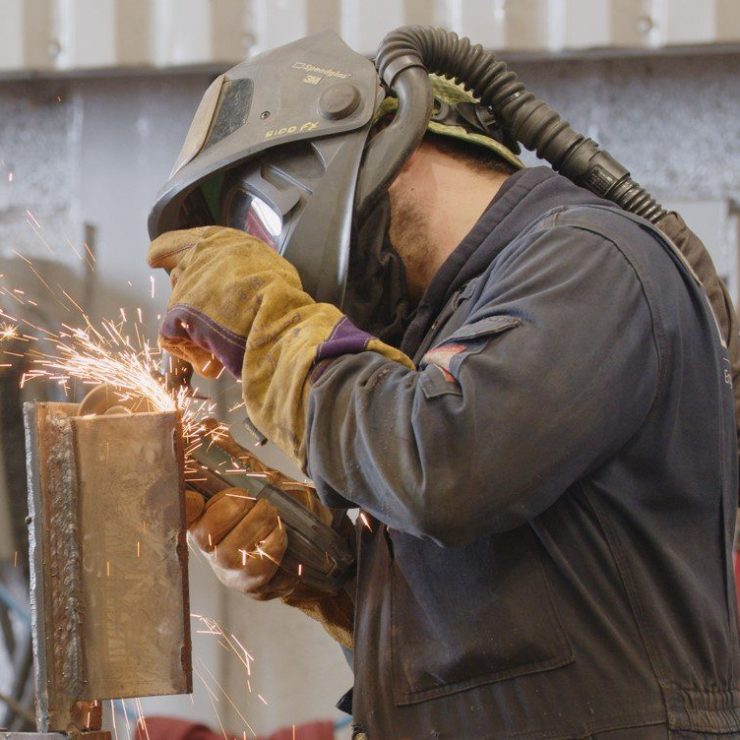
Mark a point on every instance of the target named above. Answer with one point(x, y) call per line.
point(549, 498)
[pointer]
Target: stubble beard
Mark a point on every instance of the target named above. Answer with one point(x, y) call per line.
point(410, 237)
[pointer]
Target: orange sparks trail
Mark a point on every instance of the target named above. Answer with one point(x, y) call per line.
point(125, 717)
point(141, 722)
point(113, 719)
point(94, 354)
point(227, 697)
point(105, 354)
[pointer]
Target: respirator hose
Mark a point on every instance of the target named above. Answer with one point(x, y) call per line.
point(529, 120)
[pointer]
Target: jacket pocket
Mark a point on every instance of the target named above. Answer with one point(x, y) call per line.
point(467, 616)
point(442, 362)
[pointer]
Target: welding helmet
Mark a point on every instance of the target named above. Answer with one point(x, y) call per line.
point(292, 146)
point(297, 147)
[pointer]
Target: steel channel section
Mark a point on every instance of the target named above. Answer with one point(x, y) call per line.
point(108, 558)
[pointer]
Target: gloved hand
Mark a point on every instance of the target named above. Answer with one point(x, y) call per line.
point(237, 304)
point(242, 539)
point(245, 542)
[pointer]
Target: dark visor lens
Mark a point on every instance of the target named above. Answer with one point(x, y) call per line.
point(194, 211)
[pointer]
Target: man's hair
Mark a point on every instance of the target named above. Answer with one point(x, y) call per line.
point(475, 156)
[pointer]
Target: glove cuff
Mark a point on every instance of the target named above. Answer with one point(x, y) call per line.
point(284, 357)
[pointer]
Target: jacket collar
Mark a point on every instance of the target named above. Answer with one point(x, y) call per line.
point(523, 198)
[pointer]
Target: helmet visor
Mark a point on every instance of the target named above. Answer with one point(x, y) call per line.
point(250, 213)
point(240, 209)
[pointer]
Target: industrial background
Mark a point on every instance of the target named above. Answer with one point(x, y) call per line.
point(95, 99)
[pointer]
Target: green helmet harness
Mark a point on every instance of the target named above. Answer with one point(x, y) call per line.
point(458, 115)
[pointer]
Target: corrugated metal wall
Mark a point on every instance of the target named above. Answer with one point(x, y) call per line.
point(50, 35)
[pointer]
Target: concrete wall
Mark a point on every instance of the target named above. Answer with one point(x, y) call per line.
point(96, 150)
point(672, 120)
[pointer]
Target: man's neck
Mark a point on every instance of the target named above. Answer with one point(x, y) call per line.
point(461, 207)
point(435, 202)
point(463, 196)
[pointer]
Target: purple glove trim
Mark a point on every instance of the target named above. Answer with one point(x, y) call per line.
point(345, 339)
point(186, 322)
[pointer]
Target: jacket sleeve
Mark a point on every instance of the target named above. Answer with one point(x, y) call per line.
point(553, 371)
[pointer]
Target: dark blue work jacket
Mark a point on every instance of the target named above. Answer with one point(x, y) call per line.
point(552, 492)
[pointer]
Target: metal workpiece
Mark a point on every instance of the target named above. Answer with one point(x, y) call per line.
point(108, 560)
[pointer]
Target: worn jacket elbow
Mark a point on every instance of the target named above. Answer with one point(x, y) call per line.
point(442, 518)
point(459, 511)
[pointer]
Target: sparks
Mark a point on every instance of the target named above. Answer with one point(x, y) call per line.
point(32, 218)
point(141, 721)
point(103, 354)
point(240, 495)
point(113, 719)
point(8, 331)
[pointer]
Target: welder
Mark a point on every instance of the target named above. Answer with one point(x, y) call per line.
point(526, 393)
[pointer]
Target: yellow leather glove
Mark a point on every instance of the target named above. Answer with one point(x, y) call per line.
point(237, 304)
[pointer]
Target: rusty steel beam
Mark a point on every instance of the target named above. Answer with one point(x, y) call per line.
point(109, 588)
